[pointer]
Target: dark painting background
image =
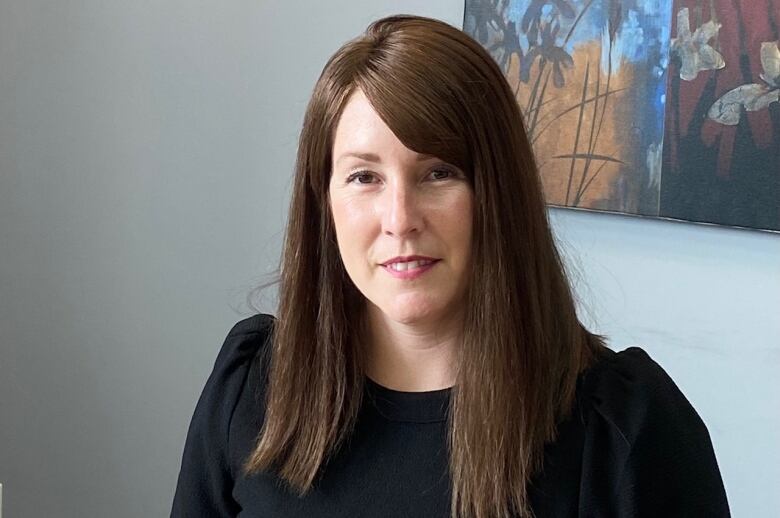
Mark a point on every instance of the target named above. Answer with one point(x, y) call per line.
point(667, 109)
point(714, 172)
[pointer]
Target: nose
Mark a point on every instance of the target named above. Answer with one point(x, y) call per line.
point(401, 211)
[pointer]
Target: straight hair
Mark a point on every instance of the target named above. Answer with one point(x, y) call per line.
point(523, 347)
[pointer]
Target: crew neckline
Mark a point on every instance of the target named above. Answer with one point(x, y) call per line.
point(433, 406)
point(415, 407)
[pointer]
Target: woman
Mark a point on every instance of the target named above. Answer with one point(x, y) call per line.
point(427, 359)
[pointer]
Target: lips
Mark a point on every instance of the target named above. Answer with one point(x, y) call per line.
point(414, 273)
point(407, 258)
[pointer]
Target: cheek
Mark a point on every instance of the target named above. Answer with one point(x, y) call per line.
point(458, 221)
point(343, 217)
point(353, 230)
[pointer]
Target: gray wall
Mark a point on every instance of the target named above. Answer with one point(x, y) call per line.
point(146, 150)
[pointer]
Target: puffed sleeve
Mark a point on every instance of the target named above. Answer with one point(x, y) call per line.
point(654, 456)
point(205, 480)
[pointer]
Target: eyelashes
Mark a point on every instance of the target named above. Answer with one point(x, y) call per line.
point(351, 178)
point(358, 174)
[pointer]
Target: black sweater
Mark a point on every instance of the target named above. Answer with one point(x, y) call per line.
point(634, 446)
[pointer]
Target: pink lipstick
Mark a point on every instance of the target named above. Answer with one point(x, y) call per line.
point(409, 274)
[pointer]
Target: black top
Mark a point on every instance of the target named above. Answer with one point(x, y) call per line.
point(634, 446)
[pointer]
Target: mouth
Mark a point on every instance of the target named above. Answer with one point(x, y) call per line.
point(409, 264)
point(408, 259)
point(409, 269)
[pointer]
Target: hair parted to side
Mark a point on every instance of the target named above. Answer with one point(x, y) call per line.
point(523, 346)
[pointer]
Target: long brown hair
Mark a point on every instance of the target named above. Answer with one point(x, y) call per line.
point(523, 346)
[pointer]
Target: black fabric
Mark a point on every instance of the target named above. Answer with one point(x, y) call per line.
point(634, 446)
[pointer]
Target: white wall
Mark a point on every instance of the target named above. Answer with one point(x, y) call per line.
point(704, 302)
point(146, 150)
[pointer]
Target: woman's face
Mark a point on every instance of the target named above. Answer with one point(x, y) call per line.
point(390, 202)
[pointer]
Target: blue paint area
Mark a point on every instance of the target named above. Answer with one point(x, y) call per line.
point(637, 35)
point(643, 35)
point(642, 40)
point(514, 12)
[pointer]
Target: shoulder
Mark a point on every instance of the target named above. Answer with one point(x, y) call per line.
point(259, 323)
point(245, 346)
point(650, 448)
point(632, 391)
point(246, 340)
point(245, 332)
point(206, 474)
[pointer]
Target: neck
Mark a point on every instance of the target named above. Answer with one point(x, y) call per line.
point(411, 357)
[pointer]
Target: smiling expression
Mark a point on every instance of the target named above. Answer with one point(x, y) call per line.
point(389, 201)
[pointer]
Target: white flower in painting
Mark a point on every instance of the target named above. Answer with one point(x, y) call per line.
point(694, 49)
point(654, 163)
point(770, 61)
point(754, 96)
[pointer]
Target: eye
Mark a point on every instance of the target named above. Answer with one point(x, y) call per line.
point(448, 174)
point(358, 175)
point(436, 174)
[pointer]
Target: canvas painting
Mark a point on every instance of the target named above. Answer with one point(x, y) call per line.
point(665, 108)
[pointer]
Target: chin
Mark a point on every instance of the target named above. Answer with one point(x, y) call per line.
point(407, 311)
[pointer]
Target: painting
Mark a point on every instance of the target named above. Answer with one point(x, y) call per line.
point(660, 108)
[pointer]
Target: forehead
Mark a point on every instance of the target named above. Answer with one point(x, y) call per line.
point(358, 113)
point(361, 131)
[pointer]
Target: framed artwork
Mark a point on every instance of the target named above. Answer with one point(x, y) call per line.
point(664, 108)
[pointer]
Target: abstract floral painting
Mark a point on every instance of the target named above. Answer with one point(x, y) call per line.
point(665, 108)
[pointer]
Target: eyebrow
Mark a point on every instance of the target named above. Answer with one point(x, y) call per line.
point(373, 157)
